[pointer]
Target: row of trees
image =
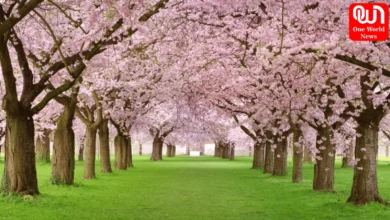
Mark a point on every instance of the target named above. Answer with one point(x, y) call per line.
point(57, 51)
point(279, 68)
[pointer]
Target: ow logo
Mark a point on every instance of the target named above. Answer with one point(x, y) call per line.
point(368, 22)
point(360, 13)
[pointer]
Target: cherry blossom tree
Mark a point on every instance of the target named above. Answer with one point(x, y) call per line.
point(62, 53)
point(199, 69)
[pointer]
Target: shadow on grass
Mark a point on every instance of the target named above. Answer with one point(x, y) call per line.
point(13, 198)
point(188, 160)
point(197, 159)
point(48, 184)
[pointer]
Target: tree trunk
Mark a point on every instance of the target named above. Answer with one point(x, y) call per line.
point(187, 150)
point(173, 150)
point(262, 155)
point(169, 150)
point(365, 183)
point(298, 149)
point(325, 157)
point(347, 159)
point(129, 153)
point(140, 149)
point(63, 164)
point(269, 159)
point(216, 150)
point(81, 153)
point(280, 158)
point(387, 151)
point(121, 146)
point(257, 156)
point(160, 149)
point(42, 148)
point(90, 153)
point(344, 162)
point(104, 140)
point(157, 149)
point(225, 151)
point(231, 156)
point(20, 174)
point(307, 156)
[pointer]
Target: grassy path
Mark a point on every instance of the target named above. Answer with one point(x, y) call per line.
point(193, 188)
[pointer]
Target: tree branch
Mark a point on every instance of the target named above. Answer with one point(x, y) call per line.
point(82, 117)
point(24, 68)
point(362, 64)
point(9, 23)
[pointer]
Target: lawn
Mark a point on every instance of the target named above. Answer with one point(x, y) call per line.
point(193, 188)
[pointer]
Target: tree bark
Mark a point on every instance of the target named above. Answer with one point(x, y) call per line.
point(262, 155)
point(298, 149)
point(81, 152)
point(228, 148)
point(63, 163)
point(140, 149)
point(307, 156)
point(129, 153)
point(280, 158)
point(169, 150)
point(225, 151)
point(257, 156)
point(42, 148)
point(231, 156)
point(104, 140)
point(157, 149)
point(325, 158)
point(121, 147)
point(216, 150)
point(160, 149)
point(365, 183)
point(173, 150)
point(269, 159)
point(187, 150)
point(346, 162)
point(90, 152)
point(20, 174)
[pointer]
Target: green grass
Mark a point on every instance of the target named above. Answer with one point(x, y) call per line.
point(193, 188)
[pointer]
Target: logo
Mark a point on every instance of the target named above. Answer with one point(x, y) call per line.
point(368, 21)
